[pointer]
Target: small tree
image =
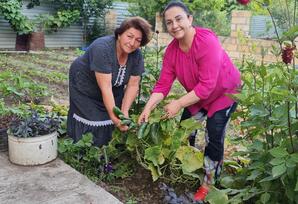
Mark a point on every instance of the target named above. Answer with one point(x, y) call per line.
point(87, 9)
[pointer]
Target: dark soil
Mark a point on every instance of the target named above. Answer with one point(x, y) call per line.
point(139, 188)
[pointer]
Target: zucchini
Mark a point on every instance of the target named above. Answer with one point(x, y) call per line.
point(125, 122)
point(142, 130)
point(117, 111)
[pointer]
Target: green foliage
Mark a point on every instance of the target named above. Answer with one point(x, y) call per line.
point(3, 108)
point(98, 29)
point(67, 13)
point(93, 161)
point(61, 19)
point(11, 10)
point(87, 9)
point(163, 148)
point(147, 9)
point(19, 86)
point(211, 14)
point(269, 113)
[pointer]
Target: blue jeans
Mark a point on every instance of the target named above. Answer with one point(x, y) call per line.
point(215, 130)
point(214, 136)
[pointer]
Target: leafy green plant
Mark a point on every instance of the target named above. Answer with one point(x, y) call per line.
point(11, 10)
point(269, 122)
point(62, 19)
point(162, 148)
point(96, 163)
point(34, 125)
point(20, 86)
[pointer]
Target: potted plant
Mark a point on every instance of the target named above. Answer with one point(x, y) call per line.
point(33, 140)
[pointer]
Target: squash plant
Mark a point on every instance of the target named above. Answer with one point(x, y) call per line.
point(161, 146)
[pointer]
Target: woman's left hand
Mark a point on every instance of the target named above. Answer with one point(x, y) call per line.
point(172, 109)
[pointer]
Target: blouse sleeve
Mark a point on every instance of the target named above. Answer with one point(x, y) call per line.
point(138, 66)
point(100, 58)
point(167, 76)
point(209, 66)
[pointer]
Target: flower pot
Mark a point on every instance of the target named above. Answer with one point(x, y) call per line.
point(32, 150)
point(3, 140)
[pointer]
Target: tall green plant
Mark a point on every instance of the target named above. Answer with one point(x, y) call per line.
point(86, 8)
point(11, 10)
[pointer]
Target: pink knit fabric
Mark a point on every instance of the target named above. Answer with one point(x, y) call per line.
point(205, 68)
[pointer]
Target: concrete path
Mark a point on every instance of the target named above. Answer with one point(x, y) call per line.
point(52, 183)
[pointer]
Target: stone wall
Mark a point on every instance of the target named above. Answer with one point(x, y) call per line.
point(238, 44)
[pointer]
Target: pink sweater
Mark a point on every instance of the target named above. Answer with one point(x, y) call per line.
point(205, 68)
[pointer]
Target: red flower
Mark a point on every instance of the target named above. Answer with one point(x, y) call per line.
point(287, 54)
point(243, 2)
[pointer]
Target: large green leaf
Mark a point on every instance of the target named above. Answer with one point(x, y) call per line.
point(296, 188)
point(290, 34)
point(154, 154)
point(265, 197)
point(190, 157)
point(155, 172)
point(131, 142)
point(259, 111)
point(279, 170)
point(277, 161)
point(254, 174)
point(279, 152)
point(191, 124)
point(216, 196)
point(294, 157)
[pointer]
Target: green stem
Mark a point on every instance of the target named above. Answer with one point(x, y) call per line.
point(288, 13)
point(294, 20)
point(289, 125)
point(275, 28)
point(289, 110)
point(157, 51)
point(139, 94)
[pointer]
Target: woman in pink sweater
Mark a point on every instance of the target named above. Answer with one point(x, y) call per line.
point(196, 58)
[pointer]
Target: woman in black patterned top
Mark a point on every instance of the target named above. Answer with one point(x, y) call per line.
point(107, 75)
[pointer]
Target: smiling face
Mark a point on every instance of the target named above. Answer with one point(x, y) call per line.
point(177, 21)
point(130, 40)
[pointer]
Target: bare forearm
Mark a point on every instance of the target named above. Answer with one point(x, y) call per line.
point(130, 95)
point(105, 85)
point(154, 99)
point(188, 99)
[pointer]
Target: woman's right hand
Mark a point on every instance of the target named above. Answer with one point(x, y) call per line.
point(117, 123)
point(144, 116)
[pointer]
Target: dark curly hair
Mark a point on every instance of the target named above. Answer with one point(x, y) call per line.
point(137, 23)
